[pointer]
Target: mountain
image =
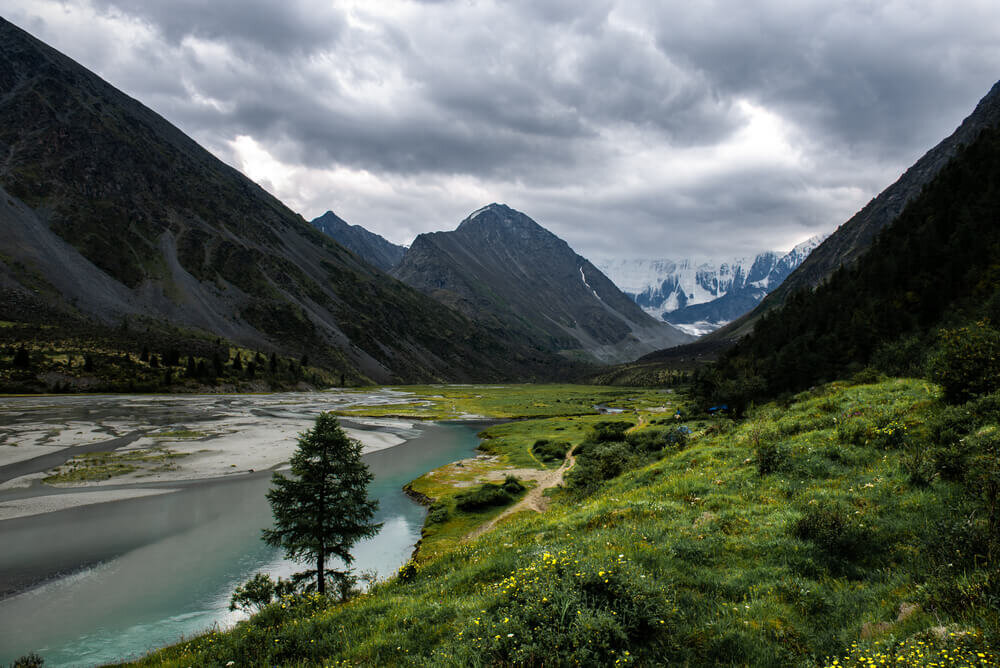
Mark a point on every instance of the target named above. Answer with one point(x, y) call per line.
point(511, 275)
point(370, 247)
point(854, 237)
point(701, 297)
point(113, 220)
point(926, 291)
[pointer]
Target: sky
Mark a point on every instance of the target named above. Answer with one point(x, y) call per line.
point(630, 129)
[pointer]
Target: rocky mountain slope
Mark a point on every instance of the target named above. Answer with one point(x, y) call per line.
point(110, 214)
point(701, 297)
point(511, 275)
point(370, 247)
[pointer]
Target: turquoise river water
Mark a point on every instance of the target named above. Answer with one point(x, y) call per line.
point(141, 573)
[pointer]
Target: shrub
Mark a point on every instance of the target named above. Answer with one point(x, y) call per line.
point(834, 531)
point(596, 463)
point(889, 435)
point(254, 594)
point(654, 440)
point(484, 497)
point(918, 465)
point(550, 451)
point(902, 357)
point(512, 485)
point(31, 660)
point(569, 609)
point(966, 362)
point(951, 460)
point(769, 457)
point(437, 514)
point(607, 431)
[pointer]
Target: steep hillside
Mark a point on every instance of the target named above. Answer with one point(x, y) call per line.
point(110, 213)
point(701, 297)
point(370, 247)
point(853, 238)
point(934, 267)
point(516, 278)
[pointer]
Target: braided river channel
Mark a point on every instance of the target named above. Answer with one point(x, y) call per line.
point(107, 570)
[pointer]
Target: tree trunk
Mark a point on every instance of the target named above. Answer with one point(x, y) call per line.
point(320, 576)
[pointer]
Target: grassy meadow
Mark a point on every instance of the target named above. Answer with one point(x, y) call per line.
point(847, 526)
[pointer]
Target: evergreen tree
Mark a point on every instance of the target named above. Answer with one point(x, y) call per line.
point(323, 510)
point(22, 360)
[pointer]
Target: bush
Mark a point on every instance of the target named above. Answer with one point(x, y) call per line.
point(486, 496)
point(570, 609)
point(32, 660)
point(596, 463)
point(835, 532)
point(437, 514)
point(257, 592)
point(966, 362)
point(654, 440)
point(512, 485)
point(550, 451)
point(769, 457)
point(607, 431)
point(902, 357)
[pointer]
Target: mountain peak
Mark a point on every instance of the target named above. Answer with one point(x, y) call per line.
point(370, 247)
point(504, 270)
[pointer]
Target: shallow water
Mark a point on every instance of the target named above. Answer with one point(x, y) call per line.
point(164, 566)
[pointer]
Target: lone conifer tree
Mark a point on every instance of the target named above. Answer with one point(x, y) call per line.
point(323, 510)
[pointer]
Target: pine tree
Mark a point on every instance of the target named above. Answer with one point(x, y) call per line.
point(323, 510)
point(22, 360)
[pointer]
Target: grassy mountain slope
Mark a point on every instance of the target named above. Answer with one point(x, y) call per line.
point(834, 526)
point(111, 212)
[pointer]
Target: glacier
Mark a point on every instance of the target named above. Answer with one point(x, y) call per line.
point(699, 296)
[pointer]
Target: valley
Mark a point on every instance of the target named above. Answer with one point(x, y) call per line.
point(768, 459)
point(804, 533)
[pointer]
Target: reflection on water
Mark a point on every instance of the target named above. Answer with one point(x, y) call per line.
point(184, 553)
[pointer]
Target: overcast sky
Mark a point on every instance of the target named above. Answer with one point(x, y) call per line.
point(630, 129)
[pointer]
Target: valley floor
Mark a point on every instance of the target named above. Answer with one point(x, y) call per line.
point(821, 531)
point(59, 452)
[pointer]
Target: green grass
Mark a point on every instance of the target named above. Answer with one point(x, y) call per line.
point(180, 433)
point(442, 402)
point(94, 466)
point(698, 558)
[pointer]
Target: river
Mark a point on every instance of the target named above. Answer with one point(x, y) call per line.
point(122, 577)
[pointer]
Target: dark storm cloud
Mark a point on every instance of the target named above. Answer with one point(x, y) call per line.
point(869, 77)
point(286, 26)
point(706, 127)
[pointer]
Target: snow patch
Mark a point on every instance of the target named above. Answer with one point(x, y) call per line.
point(583, 278)
point(701, 327)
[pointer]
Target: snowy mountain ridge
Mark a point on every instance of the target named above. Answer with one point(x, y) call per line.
point(698, 295)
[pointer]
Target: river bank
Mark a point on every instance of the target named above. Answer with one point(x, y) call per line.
point(111, 568)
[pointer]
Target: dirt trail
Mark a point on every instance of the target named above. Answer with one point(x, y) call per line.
point(533, 500)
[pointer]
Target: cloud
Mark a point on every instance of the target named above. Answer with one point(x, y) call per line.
point(629, 128)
